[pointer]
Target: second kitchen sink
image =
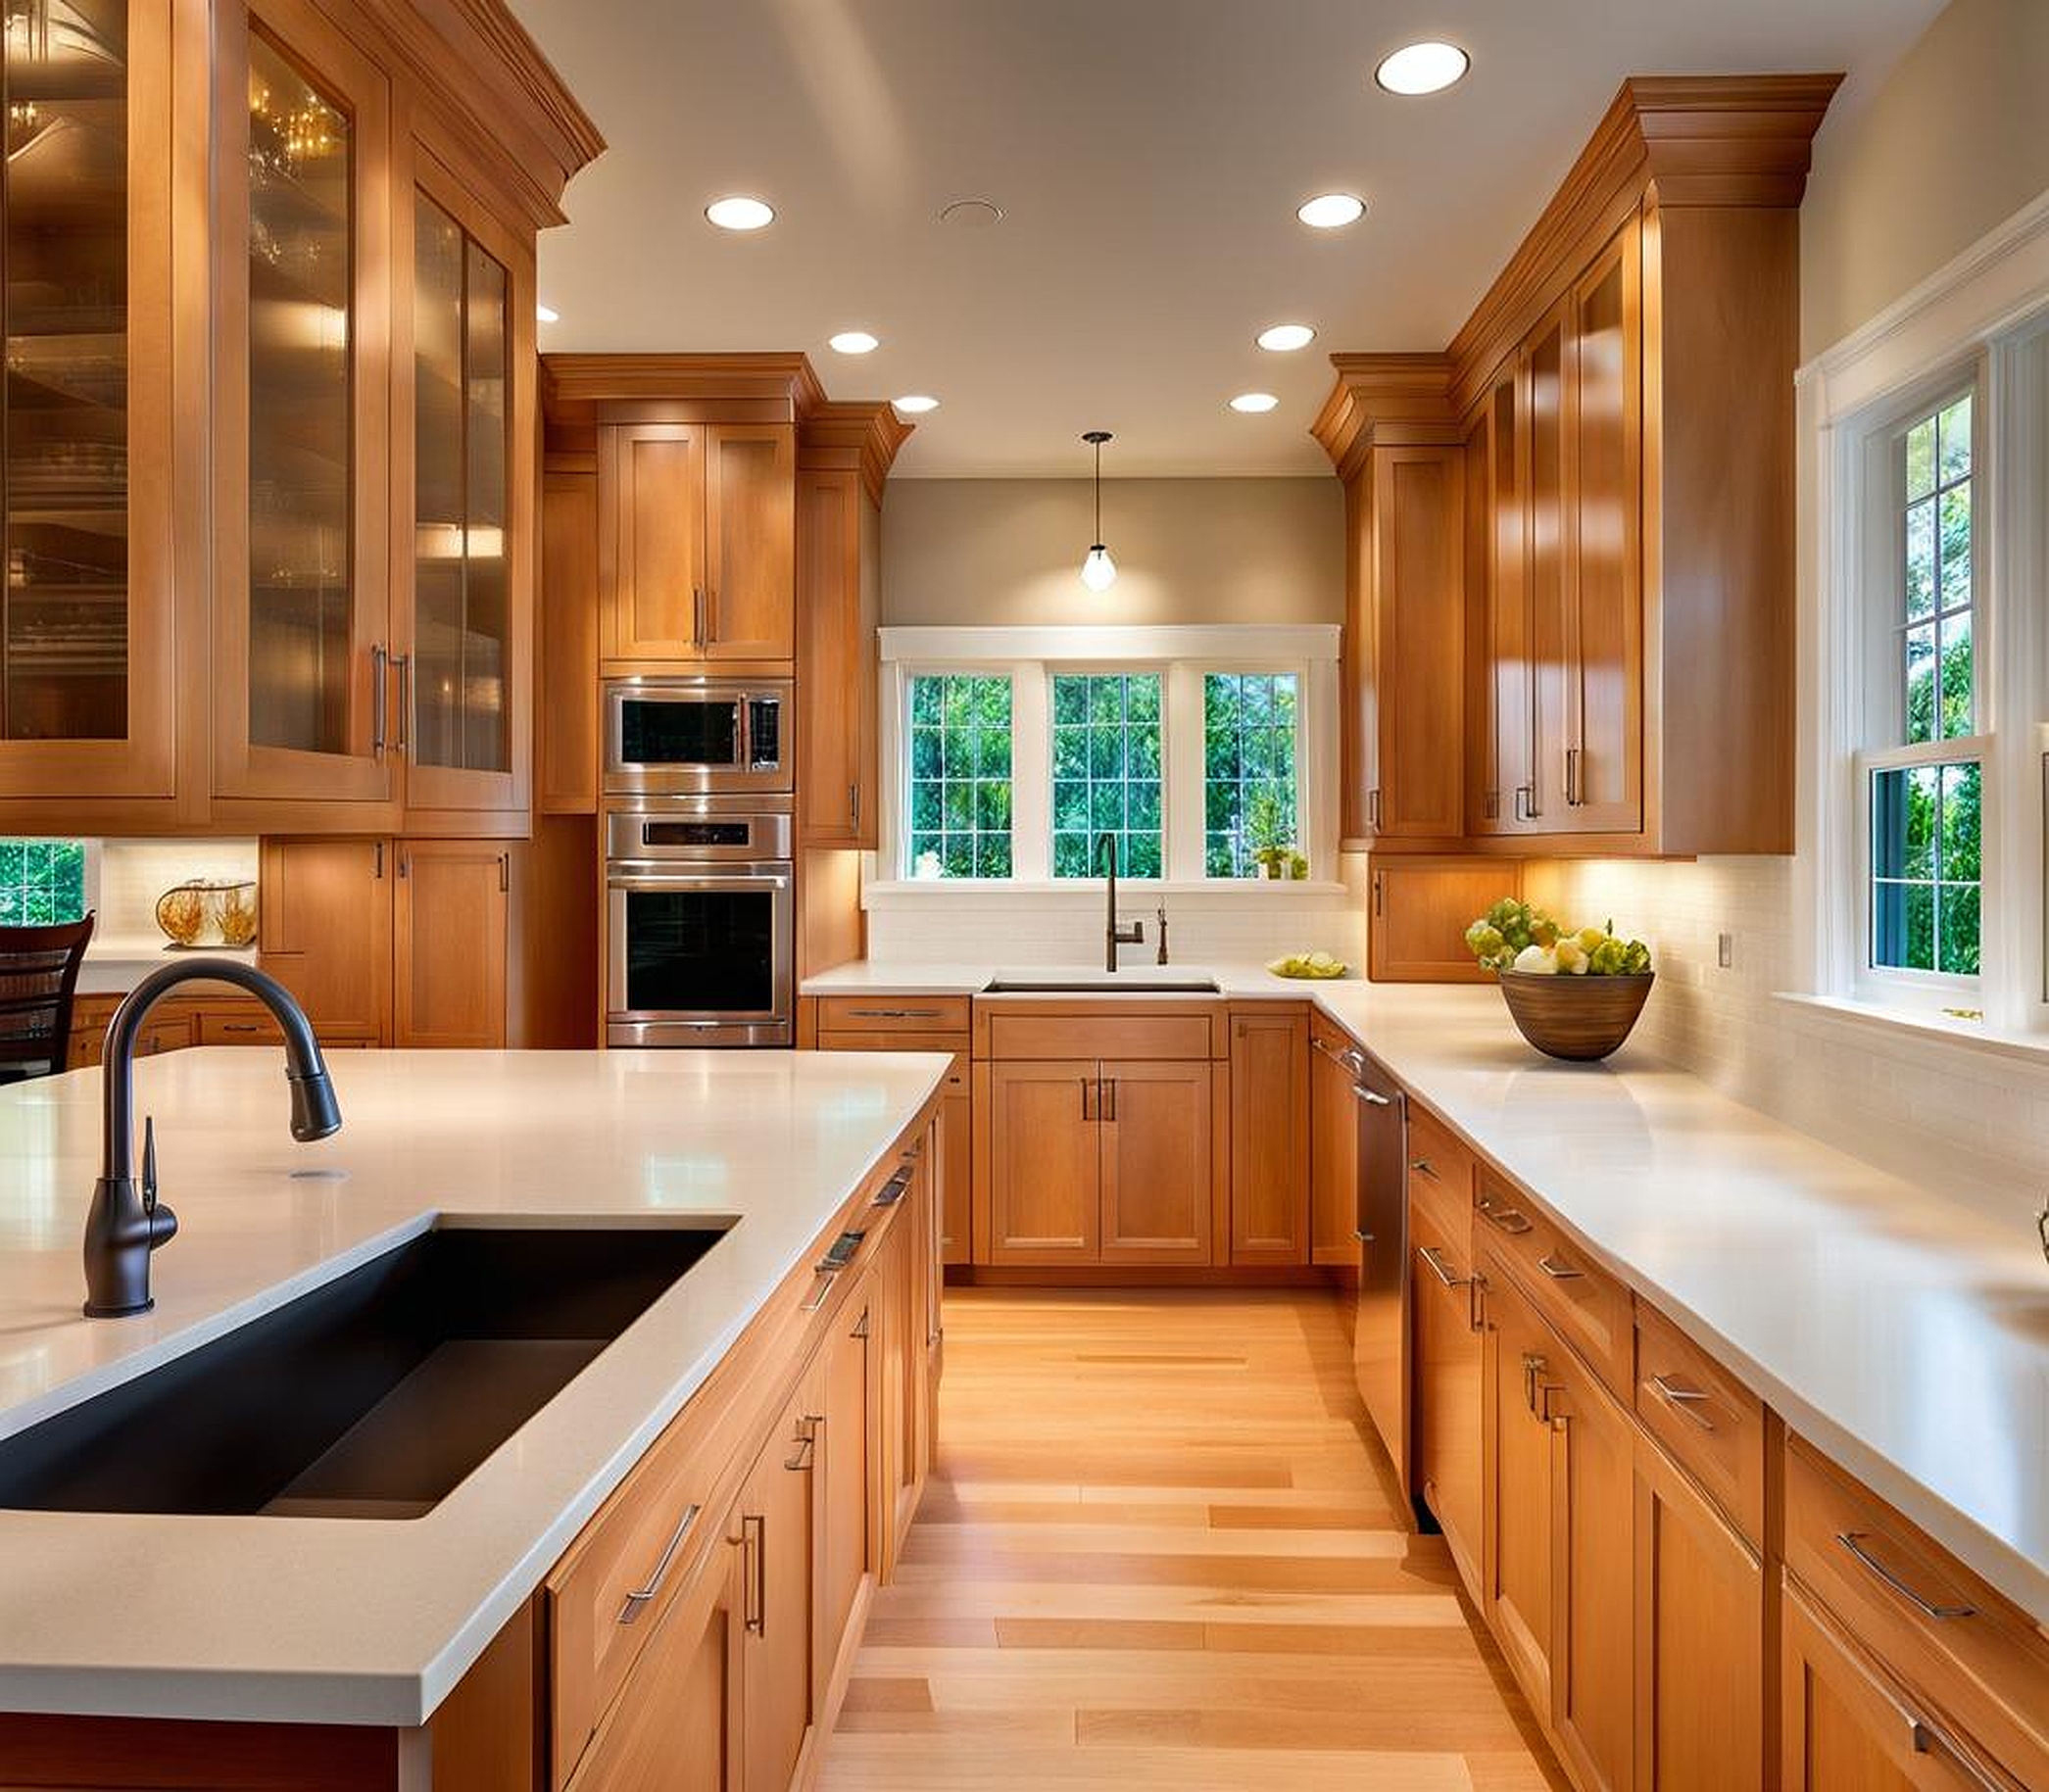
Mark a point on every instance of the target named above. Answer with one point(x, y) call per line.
point(371, 1397)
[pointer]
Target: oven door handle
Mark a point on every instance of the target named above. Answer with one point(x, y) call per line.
point(637, 879)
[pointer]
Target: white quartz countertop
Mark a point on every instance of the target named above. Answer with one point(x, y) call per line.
point(375, 1621)
point(1904, 1330)
point(115, 964)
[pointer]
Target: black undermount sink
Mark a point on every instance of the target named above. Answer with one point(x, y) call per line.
point(371, 1396)
point(1104, 984)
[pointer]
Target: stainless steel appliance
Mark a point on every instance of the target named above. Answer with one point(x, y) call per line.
point(700, 922)
point(696, 736)
point(1381, 1336)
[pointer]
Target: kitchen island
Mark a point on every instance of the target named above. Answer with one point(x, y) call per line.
point(280, 1621)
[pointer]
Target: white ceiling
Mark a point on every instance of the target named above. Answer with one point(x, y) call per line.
point(1148, 156)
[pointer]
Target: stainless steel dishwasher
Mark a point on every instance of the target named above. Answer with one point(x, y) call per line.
point(1381, 1336)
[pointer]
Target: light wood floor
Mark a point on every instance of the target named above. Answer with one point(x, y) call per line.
point(1157, 1552)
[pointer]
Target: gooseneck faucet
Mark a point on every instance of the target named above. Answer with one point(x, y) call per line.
point(1115, 936)
point(127, 1222)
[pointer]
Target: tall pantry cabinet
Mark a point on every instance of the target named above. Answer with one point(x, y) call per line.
point(270, 496)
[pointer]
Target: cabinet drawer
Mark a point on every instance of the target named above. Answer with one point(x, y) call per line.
point(1134, 1031)
point(893, 1014)
point(1440, 1177)
point(236, 1027)
point(1921, 1613)
point(1590, 1308)
point(171, 1033)
point(1709, 1422)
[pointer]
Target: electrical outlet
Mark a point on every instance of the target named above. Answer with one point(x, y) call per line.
point(1724, 950)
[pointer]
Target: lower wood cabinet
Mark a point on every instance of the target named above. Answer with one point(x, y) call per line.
point(1700, 1639)
point(449, 933)
point(1098, 1161)
point(775, 1526)
point(1333, 1146)
point(853, 1388)
point(1519, 1487)
point(1448, 1364)
point(1269, 1134)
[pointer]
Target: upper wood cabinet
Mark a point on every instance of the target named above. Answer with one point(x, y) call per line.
point(697, 541)
point(272, 501)
point(1623, 398)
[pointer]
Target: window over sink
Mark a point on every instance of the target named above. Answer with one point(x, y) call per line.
point(1209, 753)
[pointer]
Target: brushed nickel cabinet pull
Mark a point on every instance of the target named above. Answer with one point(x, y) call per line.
point(854, 804)
point(1109, 1099)
point(1685, 1401)
point(1506, 1219)
point(1522, 809)
point(754, 1596)
point(240, 1026)
point(377, 859)
point(1371, 1096)
point(1476, 1303)
point(401, 663)
point(860, 1326)
point(505, 871)
point(1373, 808)
point(1424, 1167)
point(379, 703)
point(1926, 1739)
point(1853, 1541)
point(893, 1014)
point(1558, 1270)
point(697, 615)
point(1440, 1269)
point(806, 1443)
point(1534, 1365)
point(1088, 1083)
point(637, 1602)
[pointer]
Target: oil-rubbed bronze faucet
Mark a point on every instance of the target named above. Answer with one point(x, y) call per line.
point(127, 1222)
point(1115, 936)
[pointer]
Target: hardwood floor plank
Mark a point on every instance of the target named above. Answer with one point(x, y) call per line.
point(1159, 1551)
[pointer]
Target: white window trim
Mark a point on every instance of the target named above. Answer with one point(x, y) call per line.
point(1182, 655)
point(1988, 310)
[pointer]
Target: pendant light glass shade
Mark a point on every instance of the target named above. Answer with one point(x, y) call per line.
point(1098, 570)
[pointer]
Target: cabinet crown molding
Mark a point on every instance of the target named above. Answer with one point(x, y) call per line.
point(853, 435)
point(774, 387)
point(511, 103)
point(1384, 401)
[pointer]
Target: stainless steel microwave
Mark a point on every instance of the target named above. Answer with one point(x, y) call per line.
point(689, 736)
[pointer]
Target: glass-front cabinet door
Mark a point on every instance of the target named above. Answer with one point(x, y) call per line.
point(86, 677)
point(304, 701)
point(470, 494)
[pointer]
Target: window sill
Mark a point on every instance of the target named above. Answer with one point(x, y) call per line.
point(1937, 1032)
point(921, 891)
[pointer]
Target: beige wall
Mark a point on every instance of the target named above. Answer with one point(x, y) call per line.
point(1010, 551)
point(1955, 140)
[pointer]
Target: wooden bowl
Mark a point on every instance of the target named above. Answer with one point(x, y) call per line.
point(1579, 1018)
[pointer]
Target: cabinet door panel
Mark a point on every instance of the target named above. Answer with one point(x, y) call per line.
point(1042, 1154)
point(1269, 1137)
point(1449, 1367)
point(1542, 476)
point(844, 1440)
point(1420, 661)
point(750, 542)
point(1333, 1151)
point(324, 930)
point(1519, 1491)
point(835, 661)
point(451, 925)
point(957, 1173)
point(778, 1542)
point(1156, 1165)
point(1700, 1631)
point(1593, 1517)
point(651, 539)
point(1605, 615)
point(302, 694)
point(1507, 731)
point(675, 1725)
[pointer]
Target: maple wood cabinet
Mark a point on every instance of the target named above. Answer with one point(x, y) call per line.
point(775, 1528)
point(1333, 1146)
point(697, 541)
point(450, 928)
point(1269, 1134)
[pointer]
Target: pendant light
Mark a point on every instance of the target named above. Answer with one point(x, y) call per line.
point(1098, 570)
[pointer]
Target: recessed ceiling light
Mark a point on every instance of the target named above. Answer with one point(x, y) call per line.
point(1423, 68)
point(916, 404)
point(547, 313)
point(1331, 211)
point(1286, 338)
point(737, 212)
point(1253, 402)
point(852, 342)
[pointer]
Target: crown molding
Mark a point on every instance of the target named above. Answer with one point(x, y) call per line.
point(772, 387)
point(509, 107)
point(1381, 401)
point(853, 435)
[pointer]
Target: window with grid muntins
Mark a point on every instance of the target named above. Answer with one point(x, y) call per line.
point(1106, 772)
point(960, 786)
point(1924, 802)
point(1250, 774)
point(42, 882)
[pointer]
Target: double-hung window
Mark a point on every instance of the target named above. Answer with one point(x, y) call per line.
point(1206, 754)
point(1926, 773)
